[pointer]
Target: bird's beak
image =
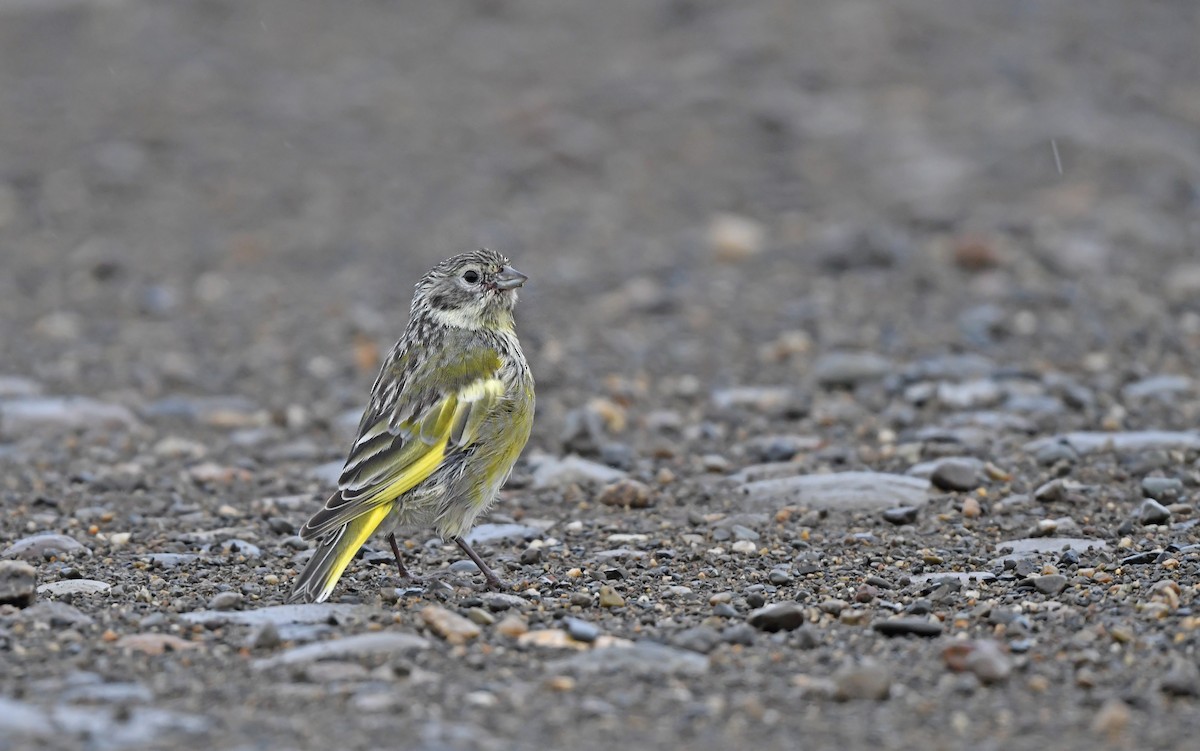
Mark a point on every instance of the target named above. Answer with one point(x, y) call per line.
point(509, 278)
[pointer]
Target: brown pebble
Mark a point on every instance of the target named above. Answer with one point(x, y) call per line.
point(627, 493)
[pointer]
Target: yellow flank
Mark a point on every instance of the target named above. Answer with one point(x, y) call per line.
point(357, 532)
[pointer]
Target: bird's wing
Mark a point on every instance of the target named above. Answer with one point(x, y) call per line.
point(417, 417)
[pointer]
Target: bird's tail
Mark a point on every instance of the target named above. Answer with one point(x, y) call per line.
point(334, 552)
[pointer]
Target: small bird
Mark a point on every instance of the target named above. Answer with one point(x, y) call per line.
point(449, 414)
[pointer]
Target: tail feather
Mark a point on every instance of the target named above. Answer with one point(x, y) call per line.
point(334, 552)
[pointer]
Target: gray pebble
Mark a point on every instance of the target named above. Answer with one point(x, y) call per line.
point(1050, 584)
point(908, 627)
point(779, 576)
point(1166, 489)
point(1053, 453)
point(702, 639)
point(1153, 512)
point(739, 633)
point(18, 583)
point(225, 601)
point(955, 474)
point(866, 680)
point(783, 616)
point(581, 630)
point(901, 515)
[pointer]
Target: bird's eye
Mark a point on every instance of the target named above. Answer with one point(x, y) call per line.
point(470, 276)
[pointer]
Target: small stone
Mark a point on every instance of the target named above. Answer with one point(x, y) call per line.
point(226, 601)
point(955, 475)
point(901, 515)
point(1112, 719)
point(551, 472)
point(1165, 489)
point(866, 680)
point(265, 636)
point(1153, 512)
point(512, 626)
point(1049, 585)
point(18, 583)
point(779, 576)
point(581, 630)
point(74, 587)
point(155, 644)
point(481, 617)
point(30, 414)
point(971, 508)
point(41, 546)
point(450, 626)
point(627, 493)
point(908, 627)
point(983, 657)
point(783, 616)
point(746, 547)
point(849, 369)
point(735, 238)
point(610, 598)
point(1183, 679)
point(702, 639)
point(381, 642)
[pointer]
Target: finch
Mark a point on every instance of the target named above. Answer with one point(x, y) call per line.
point(449, 414)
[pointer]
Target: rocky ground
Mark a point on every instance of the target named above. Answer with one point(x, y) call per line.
point(864, 332)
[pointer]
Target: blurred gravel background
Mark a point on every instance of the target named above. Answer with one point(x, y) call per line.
point(950, 247)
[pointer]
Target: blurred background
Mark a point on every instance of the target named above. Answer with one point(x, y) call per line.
point(236, 197)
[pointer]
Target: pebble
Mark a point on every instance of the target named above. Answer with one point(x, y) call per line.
point(734, 238)
point(849, 369)
point(486, 534)
point(956, 474)
point(18, 582)
point(783, 616)
point(702, 639)
point(1152, 512)
point(30, 414)
point(1156, 387)
point(639, 660)
point(852, 491)
point(41, 546)
point(512, 626)
point(380, 642)
point(983, 657)
point(226, 601)
point(552, 472)
point(868, 679)
point(581, 630)
point(908, 627)
point(768, 400)
point(1053, 453)
point(1165, 489)
point(280, 615)
point(449, 625)
point(1050, 585)
point(1085, 442)
point(1183, 679)
point(497, 601)
point(976, 394)
point(155, 644)
point(746, 547)
point(1112, 719)
point(610, 598)
point(265, 636)
point(626, 493)
point(74, 587)
point(971, 508)
point(1031, 547)
point(901, 515)
point(480, 616)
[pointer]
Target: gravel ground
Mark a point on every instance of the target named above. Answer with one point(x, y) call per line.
point(863, 331)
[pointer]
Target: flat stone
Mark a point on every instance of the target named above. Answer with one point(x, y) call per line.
point(74, 587)
point(40, 546)
point(491, 533)
point(849, 369)
point(1090, 442)
point(956, 474)
point(17, 583)
point(866, 680)
point(851, 491)
point(901, 515)
point(1157, 386)
point(449, 625)
point(770, 400)
point(1152, 512)
point(1031, 547)
point(642, 659)
point(551, 472)
point(783, 616)
point(280, 615)
point(975, 394)
point(23, 415)
point(380, 642)
point(908, 627)
point(56, 614)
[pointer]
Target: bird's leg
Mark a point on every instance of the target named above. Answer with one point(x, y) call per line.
point(404, 573)
point(495, 582)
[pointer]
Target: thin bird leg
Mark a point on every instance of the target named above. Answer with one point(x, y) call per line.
point(404, 573)
point(495, 582)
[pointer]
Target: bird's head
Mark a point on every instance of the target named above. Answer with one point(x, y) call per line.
point(475, 290)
